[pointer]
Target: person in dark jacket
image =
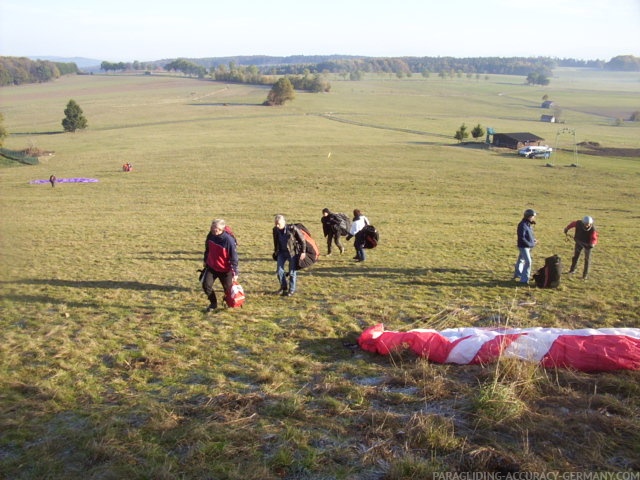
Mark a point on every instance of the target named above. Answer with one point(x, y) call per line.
point(289, 246)
point(526, 241)
point(220, 261)
point(331, 227)
point(586, 237)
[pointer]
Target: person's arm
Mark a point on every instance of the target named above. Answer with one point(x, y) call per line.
point(569, 227)
point(233, 256)
point(302, 243)
point(206, 251)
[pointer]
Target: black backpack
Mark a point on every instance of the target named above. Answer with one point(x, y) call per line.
point(312, 251)
point(549, 275)
point(370, 236)
point(343, 223)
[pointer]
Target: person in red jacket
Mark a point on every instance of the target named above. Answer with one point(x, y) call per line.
point(586, 237)
point(220, 261)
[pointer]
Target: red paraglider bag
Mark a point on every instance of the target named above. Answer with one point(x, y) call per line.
point(235, 296)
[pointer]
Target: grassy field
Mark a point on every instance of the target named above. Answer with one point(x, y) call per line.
point(110, 369)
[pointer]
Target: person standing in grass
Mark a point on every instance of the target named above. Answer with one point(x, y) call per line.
point(220, 261)
point(526, 241)
point(52, 180)
point(586, 237)
point(289, 246)
point(357, 224)
point(332, 230)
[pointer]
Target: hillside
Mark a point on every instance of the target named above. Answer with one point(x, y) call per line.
point(112, 369)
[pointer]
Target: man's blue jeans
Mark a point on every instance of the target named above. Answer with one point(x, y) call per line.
point(284, 257)
point(523, 265)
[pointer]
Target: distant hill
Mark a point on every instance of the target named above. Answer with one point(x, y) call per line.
point(81, 62)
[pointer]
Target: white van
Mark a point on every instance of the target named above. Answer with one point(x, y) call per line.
point(535, 151)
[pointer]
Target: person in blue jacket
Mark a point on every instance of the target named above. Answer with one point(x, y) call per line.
point(220, 261)
point(526, 241)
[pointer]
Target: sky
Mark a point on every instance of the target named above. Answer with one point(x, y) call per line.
point(145, 30)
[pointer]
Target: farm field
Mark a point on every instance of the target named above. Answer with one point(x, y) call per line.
point(110, 368)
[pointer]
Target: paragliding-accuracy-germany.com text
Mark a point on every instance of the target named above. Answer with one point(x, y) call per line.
point(536, 476)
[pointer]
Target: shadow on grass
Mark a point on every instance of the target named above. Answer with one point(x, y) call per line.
point(110, 284)
point(453, 277)
point(17, 134)
point(331, 349)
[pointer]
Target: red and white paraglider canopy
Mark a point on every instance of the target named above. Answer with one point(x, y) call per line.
point(588, 350)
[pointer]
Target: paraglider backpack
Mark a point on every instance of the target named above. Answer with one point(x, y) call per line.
point(371, 236)
point(549, 275)
point(312, 251)
point(234, 298)
point(343, 223)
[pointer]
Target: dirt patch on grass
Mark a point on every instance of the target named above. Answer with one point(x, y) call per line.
point(594, 148)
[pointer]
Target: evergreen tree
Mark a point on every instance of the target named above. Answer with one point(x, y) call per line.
point(73, 118)
point(477, 132)
point(462, 133)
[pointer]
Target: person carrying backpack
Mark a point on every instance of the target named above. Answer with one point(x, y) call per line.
point(586, 237)
point(357, 224)
point(526, 241)
point(290, 246)
point(333, 227)
point(220, 261)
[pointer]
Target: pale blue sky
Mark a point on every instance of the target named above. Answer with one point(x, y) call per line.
point(119, 30)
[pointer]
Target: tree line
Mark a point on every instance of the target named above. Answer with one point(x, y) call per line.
point(308, 69)
point(19, 70)
point(250, 74)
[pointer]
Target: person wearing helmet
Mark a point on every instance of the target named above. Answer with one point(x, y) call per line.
point(586, 237)
point(526, 241)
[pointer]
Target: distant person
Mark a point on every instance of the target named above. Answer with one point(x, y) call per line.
point(220, 261)
point(52, 180)
point(357, 224)
point(332, 229)
point(585, 238)
point(526, 241)
point(289, 246)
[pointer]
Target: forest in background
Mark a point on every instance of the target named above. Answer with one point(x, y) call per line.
point(20, 70)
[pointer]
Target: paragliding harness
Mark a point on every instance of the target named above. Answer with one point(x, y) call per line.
point(370, 236)
point(549, 275)
point(342, 223)
point(312, 251)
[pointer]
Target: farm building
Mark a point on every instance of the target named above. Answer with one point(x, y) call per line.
point(516, 140)
point(548, 118)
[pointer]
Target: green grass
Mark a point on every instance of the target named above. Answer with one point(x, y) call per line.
point(110, 369)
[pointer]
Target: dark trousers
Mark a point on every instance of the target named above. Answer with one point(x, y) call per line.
point(576, 255)
point(334, 237)
point(226, 279)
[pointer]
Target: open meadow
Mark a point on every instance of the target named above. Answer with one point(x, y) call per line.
point(110, 369)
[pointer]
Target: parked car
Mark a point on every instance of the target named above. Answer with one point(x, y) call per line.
point(535, 151)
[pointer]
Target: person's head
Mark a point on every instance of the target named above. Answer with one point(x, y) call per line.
point(217, 226)
point(280, 221)
point(325, 212)
point(357, 213)
point(530, 214)
point(587, 222)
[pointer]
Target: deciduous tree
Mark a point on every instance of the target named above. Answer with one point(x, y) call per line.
point(281, 91)
point(3, 131)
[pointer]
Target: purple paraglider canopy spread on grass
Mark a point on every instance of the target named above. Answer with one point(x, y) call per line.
point(67, 180)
